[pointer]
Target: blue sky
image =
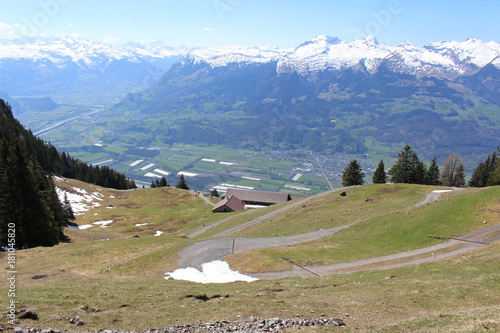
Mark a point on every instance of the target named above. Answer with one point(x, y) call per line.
point(283, 23)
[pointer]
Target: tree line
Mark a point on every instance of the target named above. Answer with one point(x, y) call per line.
point(56, 163)
point(30, 210)
point(181, 183)
point(31, 213)
point(411, 170)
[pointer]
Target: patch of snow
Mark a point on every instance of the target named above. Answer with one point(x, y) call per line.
point(79, 190)
point(254, 206)
point(141, 224)
point(85, 226)
point(159, 233)
point(212, 272)
point(103, 224)
point(442, 191)
point(80, 202)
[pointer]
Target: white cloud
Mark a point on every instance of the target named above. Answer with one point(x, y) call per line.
point(6, 30)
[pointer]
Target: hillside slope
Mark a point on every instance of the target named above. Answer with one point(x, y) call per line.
point(123, 278)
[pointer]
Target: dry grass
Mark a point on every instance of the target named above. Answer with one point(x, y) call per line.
point(123, 277)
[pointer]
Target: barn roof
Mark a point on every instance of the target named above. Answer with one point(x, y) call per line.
point(248, 196)
point(232, 203)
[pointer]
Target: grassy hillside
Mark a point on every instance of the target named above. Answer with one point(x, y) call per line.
point(123, 276)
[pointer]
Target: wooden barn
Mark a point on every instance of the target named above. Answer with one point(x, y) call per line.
point(258, 198)
point(229, 204)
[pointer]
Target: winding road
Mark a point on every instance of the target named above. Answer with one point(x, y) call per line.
point(219, 248)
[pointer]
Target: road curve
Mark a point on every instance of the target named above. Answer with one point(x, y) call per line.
point(217, 249)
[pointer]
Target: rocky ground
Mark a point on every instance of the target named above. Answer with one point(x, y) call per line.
point(248, 326)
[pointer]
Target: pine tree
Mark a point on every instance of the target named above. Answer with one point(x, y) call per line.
point(380, 177)
point(481, 176)
point(214, 193)
point(433, 174)
point(68, 209)
point(494, 178)
point(182, 184)
point(453, 171)
point(408, 168)
point(353, 174)
point(28, 200)
point(163, 182)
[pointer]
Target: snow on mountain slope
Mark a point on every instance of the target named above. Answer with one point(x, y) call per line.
point(222, 56)
point(473, 51)
point(318, 54)
point(80, 50)
point(440, 59)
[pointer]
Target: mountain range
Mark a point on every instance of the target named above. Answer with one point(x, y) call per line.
point(330, 96)
point(325, 95)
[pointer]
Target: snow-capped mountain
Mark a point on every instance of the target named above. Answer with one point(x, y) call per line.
point(443, 59)
point(76, 66)
point(442, 97)
point(83, 51)
point(34, 66)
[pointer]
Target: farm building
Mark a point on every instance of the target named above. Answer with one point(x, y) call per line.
point(259, 198)
point(229, 204)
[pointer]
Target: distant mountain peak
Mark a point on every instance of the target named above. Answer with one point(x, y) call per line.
point(323, 39)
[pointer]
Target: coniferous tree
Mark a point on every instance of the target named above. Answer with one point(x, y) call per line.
point(353, 174)
point(408, 168)
point(481, 176)
point(214, 193)
point(494, 178)
point(68, 209)
point(182, 184)
point(28, 200)
point(163, 182)
point(433, 174)
point(380, 177)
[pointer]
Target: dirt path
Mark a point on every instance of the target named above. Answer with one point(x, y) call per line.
point(217, 249)
point(418, 256)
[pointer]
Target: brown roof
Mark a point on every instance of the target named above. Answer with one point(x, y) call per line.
point(231, 204)
point(248, 196)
